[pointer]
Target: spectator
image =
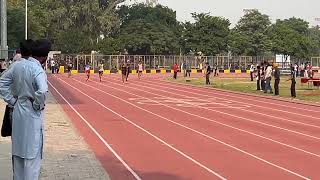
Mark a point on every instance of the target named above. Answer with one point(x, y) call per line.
point(175, 70)
point(263, 81)
point(52, 65)
point(268, 76)
point(188, 69)
point(216, 73)
point(276, 79)
point(258, 78)
point(208, 72)
point(251, 71)
point(296, 70)
point(24, 87)
point(293, 84)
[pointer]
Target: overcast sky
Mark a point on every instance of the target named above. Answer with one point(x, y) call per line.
point(233, 9)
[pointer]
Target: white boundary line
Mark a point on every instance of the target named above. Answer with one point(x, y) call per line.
point(243, 109)
point(193, 87)
point(190, 102)
point(190, 86)
point(238, 117)
point(251, 133)
point(149, 133)
point(98, 135)
point(205, 135)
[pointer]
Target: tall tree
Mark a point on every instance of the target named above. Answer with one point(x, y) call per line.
point(148, 30)
point(57, 20)
point(290, 38)
point(208, 34)
point(15, 26)
point(253, 27)
point(314, 36)
point(91, 18)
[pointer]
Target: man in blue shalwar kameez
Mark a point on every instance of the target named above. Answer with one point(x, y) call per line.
point(24, 87)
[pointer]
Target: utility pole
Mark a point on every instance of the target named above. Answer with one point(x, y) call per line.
point(26, 20)
point(3, 29)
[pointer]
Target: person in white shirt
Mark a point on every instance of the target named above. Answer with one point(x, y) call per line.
point(101, 70)
point(87, 71)
point(268, 76)
point(251, 71)
point(53, 66)
point(295, 70)
point(140, 69)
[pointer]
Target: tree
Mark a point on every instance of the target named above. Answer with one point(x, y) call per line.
point(15, 26)
point(92, 18)
point(253, 28)
point(148, 30)
point(109, 45)
point(237, 43)
point(289, 37)
point(314, 36)
point(72, 41)
point(208, 34)
point(37, 21)
point(299, 25)
point(284, 39)
point(55, 19)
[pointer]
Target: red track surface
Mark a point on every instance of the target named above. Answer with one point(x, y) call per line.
point(152, 129)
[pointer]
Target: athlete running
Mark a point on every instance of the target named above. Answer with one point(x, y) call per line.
point(69, 67)
point(87, 71)
point(140, 69)
point(101, 71)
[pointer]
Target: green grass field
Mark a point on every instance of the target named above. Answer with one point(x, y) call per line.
point(245, 85)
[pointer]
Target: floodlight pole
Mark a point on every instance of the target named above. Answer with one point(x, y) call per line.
point(3, 29)
point(26, 20)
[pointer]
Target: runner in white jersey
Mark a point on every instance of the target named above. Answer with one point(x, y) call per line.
point(100, 70)
point(87, 71)
point(140, 69)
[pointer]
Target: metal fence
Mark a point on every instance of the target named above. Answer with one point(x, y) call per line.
point(315, 62)
point(114, 62)
point(6, 54)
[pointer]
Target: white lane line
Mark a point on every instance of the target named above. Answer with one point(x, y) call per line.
point(196, 88)
point(149, 133)
point(198, 132)
point(180, 89)
point(239, 129)
point(238, 117)
point(283, 119)
point(98, 135)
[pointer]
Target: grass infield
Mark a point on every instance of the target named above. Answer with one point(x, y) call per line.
point(304, 92)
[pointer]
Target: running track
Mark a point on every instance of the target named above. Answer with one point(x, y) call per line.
point(153, 129)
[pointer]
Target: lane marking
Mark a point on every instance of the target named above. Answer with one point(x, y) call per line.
point(98, 135)
point(196, 88)
point(205, 135)
point(238, 117)
point(149, 133)
point(251, 133)
point(188, 102)
point(283, 119)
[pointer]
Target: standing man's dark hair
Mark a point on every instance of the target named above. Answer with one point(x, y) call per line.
point(40, 50)
point(26, 48)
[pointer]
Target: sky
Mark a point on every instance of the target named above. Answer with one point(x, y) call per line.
point(233, 9)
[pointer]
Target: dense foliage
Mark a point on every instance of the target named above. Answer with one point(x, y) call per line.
point(107, 26)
